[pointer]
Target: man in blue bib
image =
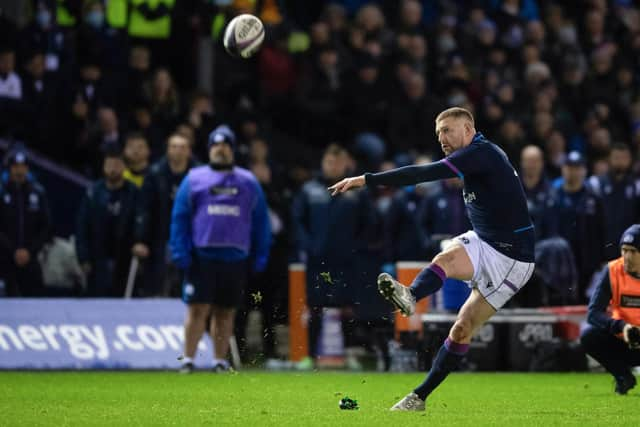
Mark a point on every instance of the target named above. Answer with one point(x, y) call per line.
point(220, 230)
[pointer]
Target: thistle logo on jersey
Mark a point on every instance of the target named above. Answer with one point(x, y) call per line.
point(468, 197)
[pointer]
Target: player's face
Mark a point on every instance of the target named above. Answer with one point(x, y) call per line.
point(452, 133)
point(631, 257)
point(221, 153)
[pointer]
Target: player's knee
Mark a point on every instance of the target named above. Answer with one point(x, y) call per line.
point(461, 331)
point(444, 260)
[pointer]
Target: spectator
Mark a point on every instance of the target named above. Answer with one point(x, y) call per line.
point(318, 97)
point(164, 99)
point(367, 98)
point(104, 137)
point(220, 232)
point(580, 220)
point(202, 117)
point(40, 90)
point(25, 226)
point(620, 193)
point(105, 229)
point(268, 291)
point(538, 192)
point(403, 239)
point(153, 217)
point(136, 156)
point(95, 37)
point(411, 118)
point(328, 233)
point(44, 34)
point(11, 94)
point(442, 216)
point(141, 122)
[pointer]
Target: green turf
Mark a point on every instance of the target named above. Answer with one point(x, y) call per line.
point(292, 399)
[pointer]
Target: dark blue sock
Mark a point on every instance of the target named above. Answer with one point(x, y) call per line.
point(447, 360)
point(428, 281)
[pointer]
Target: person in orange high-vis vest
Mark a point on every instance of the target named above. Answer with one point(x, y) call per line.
point(613, 334)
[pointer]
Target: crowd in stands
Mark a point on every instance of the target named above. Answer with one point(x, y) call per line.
point(126, 93)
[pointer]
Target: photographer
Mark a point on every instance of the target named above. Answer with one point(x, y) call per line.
point(614, 340)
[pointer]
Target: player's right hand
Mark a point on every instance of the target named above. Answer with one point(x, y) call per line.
point(346, 184)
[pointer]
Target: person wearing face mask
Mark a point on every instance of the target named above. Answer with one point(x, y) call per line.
point(620, 193)
point(613, 334)
point(96, 37)
point(220, 232)
point(25, 226)
point(44, 34)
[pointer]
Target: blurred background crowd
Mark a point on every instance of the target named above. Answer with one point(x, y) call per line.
point(120, 95)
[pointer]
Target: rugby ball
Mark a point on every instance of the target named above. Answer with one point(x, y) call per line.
point(243, 36)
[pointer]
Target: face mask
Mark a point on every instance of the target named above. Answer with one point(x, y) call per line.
point(43, 18)
point(95, 19)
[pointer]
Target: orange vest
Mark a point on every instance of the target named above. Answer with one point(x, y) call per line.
point(625, 294)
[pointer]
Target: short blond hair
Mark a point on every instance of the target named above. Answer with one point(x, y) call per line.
point(457, 113)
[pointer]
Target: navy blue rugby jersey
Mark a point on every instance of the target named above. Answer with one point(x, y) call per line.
point(493, 194)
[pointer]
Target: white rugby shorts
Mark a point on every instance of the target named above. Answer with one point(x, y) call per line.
point(495, 275)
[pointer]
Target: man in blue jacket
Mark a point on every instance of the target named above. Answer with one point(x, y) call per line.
point(219, 225)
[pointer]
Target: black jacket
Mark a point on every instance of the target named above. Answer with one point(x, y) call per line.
point(153, 211)
point(91, 232)
point(25, 220)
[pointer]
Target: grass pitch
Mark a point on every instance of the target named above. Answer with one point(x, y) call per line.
point(253, 398)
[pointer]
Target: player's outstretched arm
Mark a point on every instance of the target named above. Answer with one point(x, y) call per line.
point(347, 184)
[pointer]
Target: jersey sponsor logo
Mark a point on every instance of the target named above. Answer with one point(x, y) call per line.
point(468, 197)
point(227, 191)
point(223, 210)
point(631, 301)
point(464, 240)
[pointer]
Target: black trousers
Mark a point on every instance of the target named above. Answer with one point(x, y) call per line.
point(610, 351)
point(23, 281)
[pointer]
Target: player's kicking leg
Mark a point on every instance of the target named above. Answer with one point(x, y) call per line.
point(473, 314)
point(452, 262)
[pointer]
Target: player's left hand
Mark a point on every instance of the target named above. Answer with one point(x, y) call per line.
point(347, 184)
